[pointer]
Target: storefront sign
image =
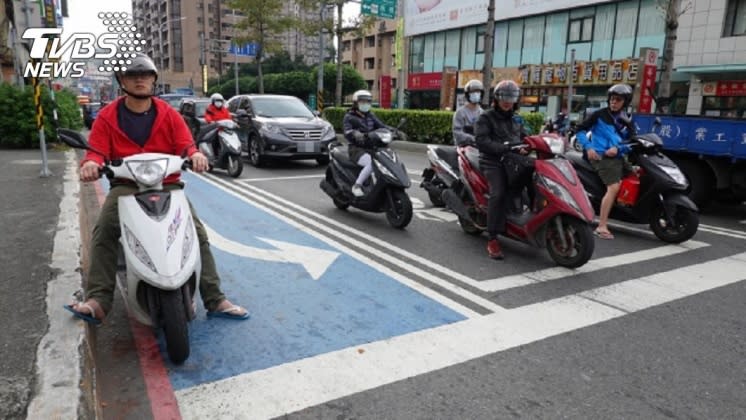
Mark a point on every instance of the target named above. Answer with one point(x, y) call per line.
point(585, 73)
point(448, 88)
point(384, 94)
point(731, 88)
point(424, 81)
point(647, 84)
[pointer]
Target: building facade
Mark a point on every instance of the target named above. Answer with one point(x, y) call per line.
point(373, 56)
point(180, 33)
point(534, 43)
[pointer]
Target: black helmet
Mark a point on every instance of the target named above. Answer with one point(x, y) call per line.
point(622, 90)
point(507, 91)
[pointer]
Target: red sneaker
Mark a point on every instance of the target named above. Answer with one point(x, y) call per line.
point(494, 249)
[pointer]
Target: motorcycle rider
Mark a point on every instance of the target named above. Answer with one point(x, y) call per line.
point(495, 128)
point(358, 121)
point(608, 127)
point(217, 111)
point(468, 113)
point(137, 123)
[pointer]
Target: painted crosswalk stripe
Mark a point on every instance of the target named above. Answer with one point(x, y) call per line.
point(309, 382)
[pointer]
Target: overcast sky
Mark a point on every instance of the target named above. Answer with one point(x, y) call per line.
point(84, 14)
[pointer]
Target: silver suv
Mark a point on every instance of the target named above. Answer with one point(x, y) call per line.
point(280, 126)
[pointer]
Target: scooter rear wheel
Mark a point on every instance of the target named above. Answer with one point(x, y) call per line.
point(175, 325)
point(578, 239)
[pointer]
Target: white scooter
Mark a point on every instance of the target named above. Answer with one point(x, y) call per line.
point(228, 153)
point(159, 243)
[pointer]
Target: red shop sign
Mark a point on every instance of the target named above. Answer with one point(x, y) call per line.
point(731, 88)
point(424, 81)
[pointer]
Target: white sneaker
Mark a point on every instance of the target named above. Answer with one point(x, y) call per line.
point(357, 191)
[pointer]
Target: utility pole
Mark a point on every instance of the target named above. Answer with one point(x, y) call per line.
point(320, 80)
point(488, 52)
point(235, 55)
point(338, 90)
point(672, 12)
point(569, 86)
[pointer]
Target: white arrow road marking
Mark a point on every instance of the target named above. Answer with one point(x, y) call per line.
point(293, 386)
point(316, 261)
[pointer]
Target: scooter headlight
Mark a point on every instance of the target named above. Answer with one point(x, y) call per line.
point(385, 137)
point(136, 247)
point(676, 175)
point(560, 192)
point(556, 145)
point(148, 172)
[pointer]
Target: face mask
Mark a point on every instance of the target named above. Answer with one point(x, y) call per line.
point(475, 97)
point(364, 107)
point(219, 104)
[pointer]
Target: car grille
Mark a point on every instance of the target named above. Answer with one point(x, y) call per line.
point(305, 135)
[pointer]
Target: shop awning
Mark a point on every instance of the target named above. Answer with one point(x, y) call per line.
point(714, 68)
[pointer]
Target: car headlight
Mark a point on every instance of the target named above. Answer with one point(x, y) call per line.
point(270, 128)
point(560, 191)
point(556, 145)
point(328, 132)
point(148, 172)
point(675, 174)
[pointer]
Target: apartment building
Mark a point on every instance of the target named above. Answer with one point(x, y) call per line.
point(179, 32)
point(373, 56)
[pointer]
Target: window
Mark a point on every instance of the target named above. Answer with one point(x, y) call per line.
point(480, 39)
point(735, 19)
point(581, 29)
point(346, 45)
point(554, 38)
point(370, 41)
point(370, 63)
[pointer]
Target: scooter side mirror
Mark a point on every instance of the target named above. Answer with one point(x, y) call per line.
point(402, 122)
point(73, 138)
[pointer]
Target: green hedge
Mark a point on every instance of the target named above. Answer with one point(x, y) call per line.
point(423, 126)
point(18, 119)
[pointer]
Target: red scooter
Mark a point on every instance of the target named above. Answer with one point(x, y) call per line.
point(558, 217)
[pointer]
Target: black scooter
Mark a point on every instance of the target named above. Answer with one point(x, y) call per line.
point(385, 189)
point(653, 192)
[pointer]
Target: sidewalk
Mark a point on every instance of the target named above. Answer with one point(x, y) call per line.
point(39, 263)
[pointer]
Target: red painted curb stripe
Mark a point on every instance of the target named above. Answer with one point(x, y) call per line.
point(163, 402)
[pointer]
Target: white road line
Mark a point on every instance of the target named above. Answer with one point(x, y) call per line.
point(280, 178)
point(554, 273)
point(455, 306)
point(478, 284)
point(309, 382)
point(723, 231)
point(58, 356)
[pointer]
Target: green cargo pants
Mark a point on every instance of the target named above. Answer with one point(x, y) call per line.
point(105, 244)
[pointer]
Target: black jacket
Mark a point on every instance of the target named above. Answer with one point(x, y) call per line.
point(492, 131)
point(362, 122)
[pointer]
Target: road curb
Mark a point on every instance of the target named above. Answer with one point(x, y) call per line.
point(408, 146)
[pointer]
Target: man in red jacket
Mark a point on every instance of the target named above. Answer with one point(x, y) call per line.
point(139, 123)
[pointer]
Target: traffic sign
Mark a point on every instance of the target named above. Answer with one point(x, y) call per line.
point(246, 49)
point(381, 8)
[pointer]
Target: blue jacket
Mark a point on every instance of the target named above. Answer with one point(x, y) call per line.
point(607, 131)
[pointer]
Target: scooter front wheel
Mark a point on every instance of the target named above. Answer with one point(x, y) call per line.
point(235, 166)
point(573, 245)
point(399, 211)
point(175, 325)
point(685, 224)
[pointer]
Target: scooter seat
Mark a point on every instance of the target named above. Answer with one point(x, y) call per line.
point(449, 155)
point(341, 154)
point(578, 160)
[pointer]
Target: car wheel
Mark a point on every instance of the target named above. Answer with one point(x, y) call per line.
point(255, 152)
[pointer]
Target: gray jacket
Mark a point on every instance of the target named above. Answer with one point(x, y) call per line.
point(464, 117)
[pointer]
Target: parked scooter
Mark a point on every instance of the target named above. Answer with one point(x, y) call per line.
point(654, 192)
point(159, 243)
point(559, 216)
point(441, 174)
point(225, 151)
point(385, 189)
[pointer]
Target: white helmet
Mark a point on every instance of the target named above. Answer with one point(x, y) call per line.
point(362, 95)
point(216, 97)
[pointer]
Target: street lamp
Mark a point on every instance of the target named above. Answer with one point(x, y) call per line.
point(160, 43)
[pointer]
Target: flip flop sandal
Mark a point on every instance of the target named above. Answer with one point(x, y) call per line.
point(603, 235)
point(228, 313)
point(89, 318)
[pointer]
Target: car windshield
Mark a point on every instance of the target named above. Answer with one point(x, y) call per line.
point(280, 107)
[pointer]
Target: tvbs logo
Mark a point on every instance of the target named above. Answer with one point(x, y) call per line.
point(116, 48)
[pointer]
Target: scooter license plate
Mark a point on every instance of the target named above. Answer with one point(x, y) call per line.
point(308, 147)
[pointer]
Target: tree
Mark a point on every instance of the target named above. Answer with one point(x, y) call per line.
point(351, 80)
point(263, 20)
point(671, 10)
